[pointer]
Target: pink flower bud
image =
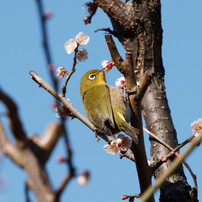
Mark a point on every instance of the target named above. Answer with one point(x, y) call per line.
point(61, 72)
point(136, 71)
point(60, 159)
point(48, 14)
point(124, 197)
point(107, 65)
point(51, 67)
point(164, 159)
point(85, 19)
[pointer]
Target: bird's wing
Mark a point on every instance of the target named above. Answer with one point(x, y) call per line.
point(98, 108)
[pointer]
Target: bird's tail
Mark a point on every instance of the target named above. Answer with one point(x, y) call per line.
point(131, 131)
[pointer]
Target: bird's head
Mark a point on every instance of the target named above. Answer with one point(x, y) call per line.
point(90, 79)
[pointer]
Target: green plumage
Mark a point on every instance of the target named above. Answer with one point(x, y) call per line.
point(105, 105)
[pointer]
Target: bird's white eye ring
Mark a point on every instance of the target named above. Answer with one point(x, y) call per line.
point(91, 76)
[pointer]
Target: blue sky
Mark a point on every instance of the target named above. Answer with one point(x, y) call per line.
point(21, 51)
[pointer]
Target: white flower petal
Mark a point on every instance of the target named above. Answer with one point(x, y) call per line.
point(82, 39)
point(70, 46)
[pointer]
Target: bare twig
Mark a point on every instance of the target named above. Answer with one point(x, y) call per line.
point(43, 21)
point(171, 149)
point(107, 30)
point(64, 183)
point(63, 90)
point(88, 18)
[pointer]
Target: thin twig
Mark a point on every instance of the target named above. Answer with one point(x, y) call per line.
point(43, 21)
point(107, 30)
point(171, 149)
point(63, 90)
point(64, 183)
point(88, 21)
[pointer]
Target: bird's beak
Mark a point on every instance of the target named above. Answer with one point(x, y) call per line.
point(102, 70)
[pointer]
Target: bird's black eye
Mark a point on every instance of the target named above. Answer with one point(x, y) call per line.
point(91, 76)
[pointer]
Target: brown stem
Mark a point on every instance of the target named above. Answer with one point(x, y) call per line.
point(63, 90)
point(64, 183)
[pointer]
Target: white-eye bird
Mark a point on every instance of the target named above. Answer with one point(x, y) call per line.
point(105, 105)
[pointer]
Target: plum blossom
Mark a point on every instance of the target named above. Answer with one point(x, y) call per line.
point(107, 65)
point(197, 127)
point(73, 44)
point(120, 83)
point(121, 144)
point(60, 158)
point(61, 72)
point(113, 147)
point(70, 46)
point(82, 39)
point(82, 55)
point(48, 14)
point(125, 143)
point(83, 178)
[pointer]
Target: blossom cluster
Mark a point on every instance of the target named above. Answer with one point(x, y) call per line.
point(73, 44)
point(121, 144)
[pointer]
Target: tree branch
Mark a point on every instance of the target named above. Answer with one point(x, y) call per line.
point(48, 140)
point(65, 102)
point(14, 120)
